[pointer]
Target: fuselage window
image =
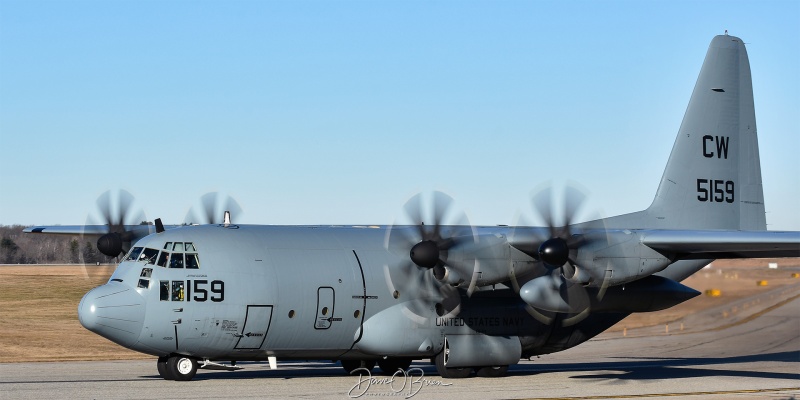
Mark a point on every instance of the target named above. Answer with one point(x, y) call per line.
point(178, 246)
point(134, 254)
point(168, 246)
point(176, 261)
point(163, 259)
point(189, 246)
point(177, 290)
point(164, 290)
point(149, 255)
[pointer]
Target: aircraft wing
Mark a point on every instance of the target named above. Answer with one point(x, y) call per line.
point(91, 230)
point(696, 245)
point(98, 230)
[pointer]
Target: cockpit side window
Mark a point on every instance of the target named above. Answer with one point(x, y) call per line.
point(163, 259)
point(176, 261)
point(178, 246)
point(164, 290)
point(177, 290)
point(168, 246)
point(149, 255)
point(192, 261)
point(189, 246)
point(134, 254)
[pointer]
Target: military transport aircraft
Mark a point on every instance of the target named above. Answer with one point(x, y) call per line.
point(469, 298)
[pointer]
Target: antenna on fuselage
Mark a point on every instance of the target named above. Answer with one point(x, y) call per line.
point(227, 218)
point(159, 226)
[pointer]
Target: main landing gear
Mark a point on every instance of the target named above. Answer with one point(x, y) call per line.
point(388, 365)
point(177, 367)
point(352, 365)
point(464, 372)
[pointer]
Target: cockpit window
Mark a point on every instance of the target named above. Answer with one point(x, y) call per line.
point(149, 255)
point(191, 261)
point(134, 254)
point(163, 259)
point(176, 261)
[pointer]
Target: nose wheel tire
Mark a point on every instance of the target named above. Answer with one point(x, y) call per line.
point(161, 364)
point(179, 368)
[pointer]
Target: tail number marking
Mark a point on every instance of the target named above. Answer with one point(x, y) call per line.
point(721, 146)
point(715, 191)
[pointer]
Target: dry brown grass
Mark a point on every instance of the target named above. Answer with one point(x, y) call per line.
point(39, 315)
point(39, 321)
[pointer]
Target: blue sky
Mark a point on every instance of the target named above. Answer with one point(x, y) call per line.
point(338, 112)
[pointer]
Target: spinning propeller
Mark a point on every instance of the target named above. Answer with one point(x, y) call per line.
point(564, 288)
point(558, 250)
point(116, 212)
point(213, 206)
point(429, 246)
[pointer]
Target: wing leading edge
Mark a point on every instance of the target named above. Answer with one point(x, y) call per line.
point(710, 244)
point(139, 231)
point(97, 230)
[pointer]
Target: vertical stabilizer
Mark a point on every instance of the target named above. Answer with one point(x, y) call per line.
point(713, 176)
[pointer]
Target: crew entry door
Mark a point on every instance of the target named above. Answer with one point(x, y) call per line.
point(256, 326)
point(325, 302)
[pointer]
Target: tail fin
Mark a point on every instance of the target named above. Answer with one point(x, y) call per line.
point(713, 176)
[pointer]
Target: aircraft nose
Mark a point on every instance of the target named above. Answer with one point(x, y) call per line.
point(113, 311)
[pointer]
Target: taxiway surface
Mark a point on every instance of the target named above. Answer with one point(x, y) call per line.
point(755, 357)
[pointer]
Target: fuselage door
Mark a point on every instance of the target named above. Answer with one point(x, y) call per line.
point(256, 326)
point(325, 303)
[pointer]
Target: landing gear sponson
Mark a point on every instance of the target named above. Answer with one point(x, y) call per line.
point(183, 368)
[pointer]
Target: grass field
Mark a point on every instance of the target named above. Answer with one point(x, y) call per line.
point(39, 315)
point(39, 321)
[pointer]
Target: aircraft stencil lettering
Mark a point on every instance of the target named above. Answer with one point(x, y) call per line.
point(471, 298)
point(721, 146)
point(715, 190)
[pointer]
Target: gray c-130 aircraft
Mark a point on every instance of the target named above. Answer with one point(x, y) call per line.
point(471, 299)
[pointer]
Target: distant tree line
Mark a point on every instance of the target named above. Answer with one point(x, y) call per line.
point(17, 247)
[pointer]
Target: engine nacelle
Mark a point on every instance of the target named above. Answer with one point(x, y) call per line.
point(652, 293)
point(554, 293)
point(487, 261)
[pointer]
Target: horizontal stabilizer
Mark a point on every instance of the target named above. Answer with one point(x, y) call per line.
point(696, 245)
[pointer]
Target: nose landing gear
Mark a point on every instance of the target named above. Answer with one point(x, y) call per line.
point(177, 367)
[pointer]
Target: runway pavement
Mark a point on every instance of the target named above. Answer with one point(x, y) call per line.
point(755, 357)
